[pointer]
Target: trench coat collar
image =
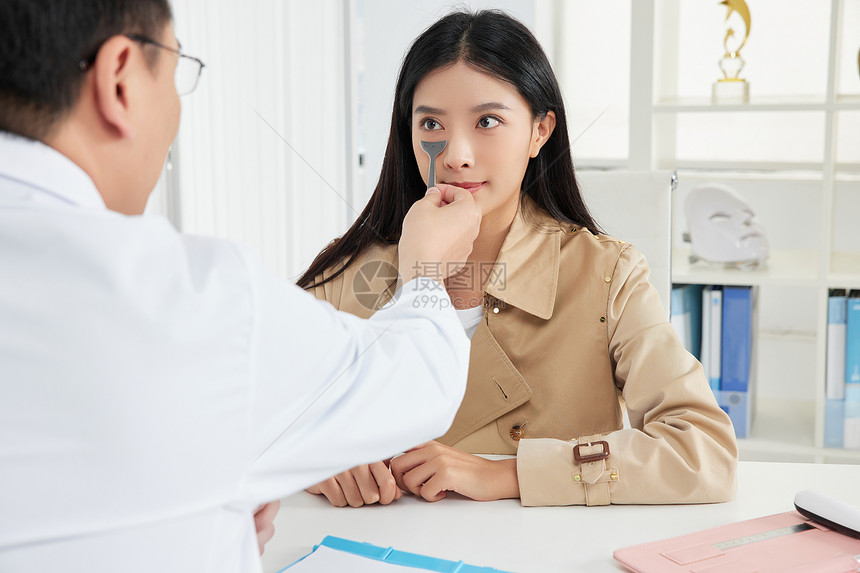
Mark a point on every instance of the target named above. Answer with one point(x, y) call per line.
point(526, 271)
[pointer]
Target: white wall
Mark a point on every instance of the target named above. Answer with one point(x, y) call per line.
point(261, 153)
point(591, 57)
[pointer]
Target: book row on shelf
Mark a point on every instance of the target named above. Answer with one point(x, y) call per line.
point(842, 404)
point(715, 324)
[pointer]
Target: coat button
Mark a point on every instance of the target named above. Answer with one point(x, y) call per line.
point(517, 432)
point(495, 310)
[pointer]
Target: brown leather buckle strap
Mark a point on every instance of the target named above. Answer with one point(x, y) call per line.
point(592, 457)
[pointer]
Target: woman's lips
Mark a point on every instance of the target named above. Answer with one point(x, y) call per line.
point(470, 186)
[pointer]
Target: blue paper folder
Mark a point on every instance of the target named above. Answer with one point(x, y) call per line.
point(687, 316)
point(851, 426)
point(712, 334)
point(393, 556)
point(834, 406)
point(737, 338)
point(693, 305)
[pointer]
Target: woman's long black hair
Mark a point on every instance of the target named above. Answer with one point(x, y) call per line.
point(493, 43)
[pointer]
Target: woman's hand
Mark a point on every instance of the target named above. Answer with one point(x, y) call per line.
point(432, 470)
point(362, 485)
point(264, 519)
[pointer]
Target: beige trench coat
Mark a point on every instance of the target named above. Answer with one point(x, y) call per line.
point(572, 333)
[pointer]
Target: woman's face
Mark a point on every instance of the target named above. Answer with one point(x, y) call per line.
point(490, 132)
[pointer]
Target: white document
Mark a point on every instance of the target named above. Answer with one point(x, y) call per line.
point(716, 306)
point(835, 384)
point(705, 352)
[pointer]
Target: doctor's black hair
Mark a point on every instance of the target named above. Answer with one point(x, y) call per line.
point(42, 43)
point(493, 43)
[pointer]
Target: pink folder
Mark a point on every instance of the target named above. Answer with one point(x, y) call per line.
point(784, 543)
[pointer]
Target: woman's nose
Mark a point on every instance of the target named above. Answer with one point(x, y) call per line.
point(458, 153)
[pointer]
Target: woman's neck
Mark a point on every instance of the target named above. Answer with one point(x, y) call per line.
point(466, 288)
point(494, 230)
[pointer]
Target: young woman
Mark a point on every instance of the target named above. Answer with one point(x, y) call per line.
point(566, 329)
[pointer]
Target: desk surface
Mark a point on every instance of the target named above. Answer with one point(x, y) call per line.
point(505, 535)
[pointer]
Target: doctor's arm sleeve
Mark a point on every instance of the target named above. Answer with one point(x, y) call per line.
point(333, 391)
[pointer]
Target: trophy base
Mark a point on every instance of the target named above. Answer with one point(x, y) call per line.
point(730, 91)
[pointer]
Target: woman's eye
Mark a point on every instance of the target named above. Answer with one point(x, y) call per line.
point(430, 125)
point(489, 122)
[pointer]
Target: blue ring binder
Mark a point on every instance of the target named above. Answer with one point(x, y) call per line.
point(391, 555)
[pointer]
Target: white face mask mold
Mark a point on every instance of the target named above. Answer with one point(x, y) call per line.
point(723, 228)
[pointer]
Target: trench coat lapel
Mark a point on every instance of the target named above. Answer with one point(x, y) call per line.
point(495, 387)
point(526, 271)
point(525, 276)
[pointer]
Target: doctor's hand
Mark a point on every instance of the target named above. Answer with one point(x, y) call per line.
point(432, 470)
point(362, 485)
point(438, 233)
point(264, 519)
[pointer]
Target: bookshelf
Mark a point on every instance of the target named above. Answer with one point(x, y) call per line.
point(812, 249)
point(806, 193)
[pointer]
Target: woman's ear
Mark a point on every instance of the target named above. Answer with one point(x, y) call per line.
point(541, 130)
point(112, 73)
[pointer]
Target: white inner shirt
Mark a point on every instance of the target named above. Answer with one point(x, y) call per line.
point(471, 318)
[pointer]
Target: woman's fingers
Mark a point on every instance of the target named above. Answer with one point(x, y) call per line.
point(435, 488)
point(415, 478)
point(350, 488)
point(434, 469)
point(331, 489)
point(387, 488)
point(264, 520)
point(361, 485)
point(402, 465)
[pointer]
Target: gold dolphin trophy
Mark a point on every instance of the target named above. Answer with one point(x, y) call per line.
point(731, 88)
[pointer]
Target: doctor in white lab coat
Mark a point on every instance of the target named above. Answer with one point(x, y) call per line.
point(156, 388)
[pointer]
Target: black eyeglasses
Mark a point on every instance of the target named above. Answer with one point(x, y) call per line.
point(188, 68)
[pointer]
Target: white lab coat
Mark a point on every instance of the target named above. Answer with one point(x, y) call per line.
point(155, 387)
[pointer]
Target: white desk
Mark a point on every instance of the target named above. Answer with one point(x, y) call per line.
point(507, 536)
